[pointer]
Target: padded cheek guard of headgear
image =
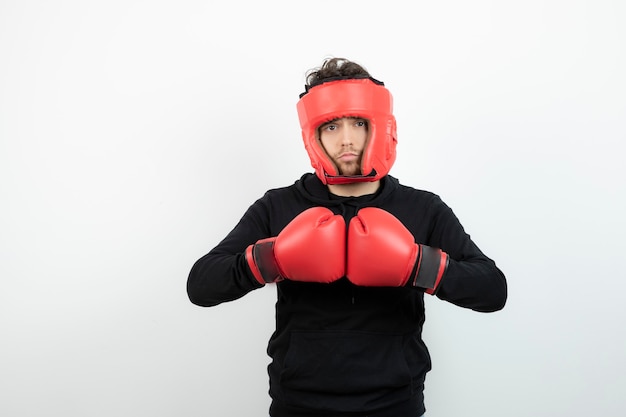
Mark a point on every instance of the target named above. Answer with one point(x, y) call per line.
point(363, 98)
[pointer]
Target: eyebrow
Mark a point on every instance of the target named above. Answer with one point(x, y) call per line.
point(346, 117)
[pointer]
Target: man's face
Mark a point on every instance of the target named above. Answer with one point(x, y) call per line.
point(344, 141)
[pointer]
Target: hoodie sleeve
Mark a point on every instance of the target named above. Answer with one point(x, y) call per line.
point(472, 280)
point(223, 274)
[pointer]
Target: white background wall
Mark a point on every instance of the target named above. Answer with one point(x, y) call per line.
point(134, 134)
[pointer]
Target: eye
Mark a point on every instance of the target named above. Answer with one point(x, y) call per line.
point(360, 123)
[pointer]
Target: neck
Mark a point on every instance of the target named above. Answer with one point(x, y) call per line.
point(354, 189)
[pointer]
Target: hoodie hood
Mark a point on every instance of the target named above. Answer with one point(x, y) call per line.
point(312, 189)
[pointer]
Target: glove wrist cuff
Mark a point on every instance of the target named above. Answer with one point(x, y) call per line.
point(260, 257)
point(429, 269)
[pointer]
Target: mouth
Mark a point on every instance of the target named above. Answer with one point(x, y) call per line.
point(348, 156)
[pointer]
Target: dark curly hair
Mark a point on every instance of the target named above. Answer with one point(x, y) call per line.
point(335, 68)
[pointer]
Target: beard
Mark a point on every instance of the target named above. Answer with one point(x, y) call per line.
point(349, 168)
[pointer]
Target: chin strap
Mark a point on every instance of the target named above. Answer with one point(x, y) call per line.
point(347, 179)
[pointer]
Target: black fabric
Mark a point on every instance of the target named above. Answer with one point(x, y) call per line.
point(340, 349)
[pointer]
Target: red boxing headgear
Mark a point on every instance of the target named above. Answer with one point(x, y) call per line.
point(364, 98)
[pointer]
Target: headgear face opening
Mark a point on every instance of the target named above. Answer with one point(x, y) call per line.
point(363, 98)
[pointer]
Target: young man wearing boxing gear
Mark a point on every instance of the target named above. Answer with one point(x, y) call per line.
point(352, 253)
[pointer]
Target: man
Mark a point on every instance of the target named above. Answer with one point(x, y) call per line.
point(352, 253)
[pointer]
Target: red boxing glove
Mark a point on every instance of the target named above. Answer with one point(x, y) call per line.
point(383, 253)
point(311, 248)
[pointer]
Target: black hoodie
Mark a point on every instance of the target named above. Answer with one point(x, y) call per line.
point(341, 349)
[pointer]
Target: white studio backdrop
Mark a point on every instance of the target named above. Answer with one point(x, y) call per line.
point(134, 134)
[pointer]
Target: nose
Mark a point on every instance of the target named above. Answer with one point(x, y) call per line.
point(347, 134)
